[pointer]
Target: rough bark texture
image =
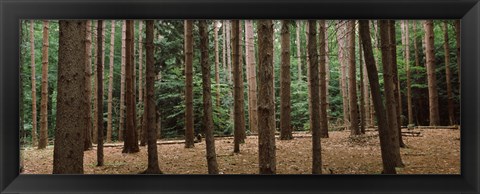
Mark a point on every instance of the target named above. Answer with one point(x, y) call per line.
point(140, 62)
point(94, 77)
point(34, 85)
point(43, 141)
point(217, 61)
point(251, 76)
point(323, 84)
point(354, 130)
point(70, 131)
point(361, 89)
point(409, 79)
point(207, 100)
point(239, 116)
point(189, 136)
point(88, 86)
point(285, 102)
point(299, 55)
point(386, 134)
point(315, 98)
point(121, 126)
point(448, 74)
point(327, 69)
point(110, 83)
point(229, 53)
point(432, 80)
point(266, 130)
point(343, 72)
point(224, 60)
point(100, 95)
point(130, 141)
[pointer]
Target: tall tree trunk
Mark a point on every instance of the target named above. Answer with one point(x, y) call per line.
point(189, 142)
point(352, 80)
point(309, 91)
point(130, 141)
point(251, 76)
point(432, 80)
point(343, 72)
point(323, 86)
point(299, 56)
point(43, 141)
point(140, 61)
point(68, 149)
point(327, 69)
point(448, 74)
point(153, 167)
point(417, 57)
point(361, 89)
point(315, 98)
point(217, 61)
point(266, 130)
point(409, 79)
point(207, 99)
point(239, 116)
point(100, 94)
point(34, 84)
point(88, 87)
point(389, 85)
point(386, 134)
point(224, 60)
point(122, 87)
point(110, 83)
point(458, 43)
point(95, 83)
point(285, 102)
point(229, 53)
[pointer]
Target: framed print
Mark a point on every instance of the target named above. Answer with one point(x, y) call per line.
point(239, 96)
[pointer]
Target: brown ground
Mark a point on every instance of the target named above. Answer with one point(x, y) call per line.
point(437, 151)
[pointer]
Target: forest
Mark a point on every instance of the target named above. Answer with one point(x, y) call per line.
point(240, 96)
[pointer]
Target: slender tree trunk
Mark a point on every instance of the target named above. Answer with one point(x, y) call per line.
point(352, 80)
point(189, 142)
point(140, 62)
point(409, 79)
point(308, 74)
point(207, 99)
point(458, 43)
point(285, 102)
point(323, 87)
point(122, 86)
point(327, 69)
point(43, 141)
point(229, 53)
point(224, 60)
point(266, 130)
point(130, 141)
point(361, 89)
point(110, 83)
point(217, 74)
point(34, 84)
point(389, 85)
point(368, 112)
point(88, 87)
point(239, 116)
point(448, 74)
point(100, 94)
point(251, 76)
point(299, 56)
point(343, 72)
point(95, 83)
point(386, 134)
point(68, 149)
point(432, 80)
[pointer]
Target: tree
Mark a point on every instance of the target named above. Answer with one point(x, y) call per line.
point(299, 57)
point(207, 99)
point(34, 85)
point(95, 85)
point(266, 130)
point(352, 85)
point(130, 141)
point(224, 37)
point(407, 68)
point(386, 134)
point(389, 85)
point(448, 74)
point(110, 83)
point(432, 80)
point(88, 86)
point(43, 141)
point(100, 94)
point(68, 149)
point(140, 62)
point(343, 72)
point(122, 86)
point(189, 142)
point(153, 167)
point(458, 43)
point(217, 60)
point(285, 102)
point(251, 76)
point(323, 85)
point(239, 116)
point(361, 89)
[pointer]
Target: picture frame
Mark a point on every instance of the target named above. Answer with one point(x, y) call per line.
point(13, 11)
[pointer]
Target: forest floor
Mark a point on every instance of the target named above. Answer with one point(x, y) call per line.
point(435, 151)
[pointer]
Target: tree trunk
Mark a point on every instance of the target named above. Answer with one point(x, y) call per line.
point(458, 43)
point(389, 85)
point(361, 89)
point(239, 116)
point(315, 98)
point(130, 141)
point(189, 136)
point(299, 55)
point(285, 102)
point(323, 86)
point(68, 152)
point(122, 87)
point(217, 75)
point(100, 94)
point(224, 37)
point(88, 87)
point(140, 62)
point(251, 76)
point(343, 72)
point(43, 141)
point(110, 82)
point(432, 80)
point(34, 85)
point(207, 99)
point(309, 91)
point(266, 130)
point(409, 79)
point(327, 70)
point(448, 74)
point(386, 134)
point(95, 85)
point(229, 53)
point(352, 80)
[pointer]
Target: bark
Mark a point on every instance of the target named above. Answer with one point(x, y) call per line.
point(432, 80)
point(343, 71)
point(229, 53)
point(43, 141)
point(239, 116)
point(140, 62)
point(266, 130)
point(224, 37)
point(100, 95)
point(130, 140)
point(217, 74)
point(323, 85)
point(299, 57)
point(409, 78)
point(251, 76)
point(189, 136)
point(121, 126)
point(88, 87)
point(285, 96)
point(458, 43)
point(95, 85)
point(110, 83)
point(352, 80)
point(207, 100)
point(69, 135)
point(34, 84)
point(386, 134)
point(327, 69)
point(448, 74)
point(361, 89)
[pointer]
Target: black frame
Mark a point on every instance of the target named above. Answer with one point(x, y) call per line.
point(12, 11)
